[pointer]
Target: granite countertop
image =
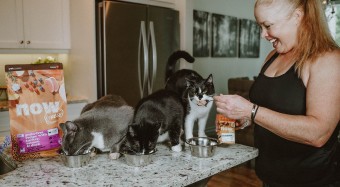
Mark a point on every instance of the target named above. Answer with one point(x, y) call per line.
point(167, 169)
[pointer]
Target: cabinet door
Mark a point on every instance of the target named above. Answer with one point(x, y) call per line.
point(46, 24)
point(11, 24)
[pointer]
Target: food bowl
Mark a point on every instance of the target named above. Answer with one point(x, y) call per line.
point(202, 147)
point(138, 159)
point(75, 161)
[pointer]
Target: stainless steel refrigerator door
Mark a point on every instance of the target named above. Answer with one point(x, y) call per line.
point(121, 46)
point(166, 29)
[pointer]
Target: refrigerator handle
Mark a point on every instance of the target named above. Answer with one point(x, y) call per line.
point(103, 61)
point(144, 46)
point(154, 56)
point(101, 45)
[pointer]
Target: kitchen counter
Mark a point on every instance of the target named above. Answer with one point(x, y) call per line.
point(167, 169)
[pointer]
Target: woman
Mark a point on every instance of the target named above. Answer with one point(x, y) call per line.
point(295, 101)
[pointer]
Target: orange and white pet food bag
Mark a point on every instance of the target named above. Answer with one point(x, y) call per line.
point(225, 129)
point(37, 104)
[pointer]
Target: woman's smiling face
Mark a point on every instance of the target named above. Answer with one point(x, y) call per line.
point(279, 24)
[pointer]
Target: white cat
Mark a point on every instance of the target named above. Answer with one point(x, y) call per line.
point(200, 103)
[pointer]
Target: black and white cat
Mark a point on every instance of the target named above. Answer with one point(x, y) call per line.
point(158, 117)
point(195, 91)
point(102, 124)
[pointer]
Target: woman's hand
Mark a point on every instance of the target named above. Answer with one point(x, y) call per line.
point(233, 106)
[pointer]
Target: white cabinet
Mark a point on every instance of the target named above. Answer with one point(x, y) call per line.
point(34, 24)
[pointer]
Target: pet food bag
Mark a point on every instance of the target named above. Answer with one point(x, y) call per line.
point(37, 105)
point(225, 129)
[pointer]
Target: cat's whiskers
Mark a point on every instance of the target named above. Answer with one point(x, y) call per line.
point(76, 153)
point(127, 146)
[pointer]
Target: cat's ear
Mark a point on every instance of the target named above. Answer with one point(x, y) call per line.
point(157, 125)
point(209, 79)
point(132, 129)
point(71, 127)
point(189, 82)
point(63, 128)
point(69, 130)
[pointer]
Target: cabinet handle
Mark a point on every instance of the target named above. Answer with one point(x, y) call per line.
point(28, 42)
point(21, 42)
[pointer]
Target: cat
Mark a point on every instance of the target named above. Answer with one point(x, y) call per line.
point(195, 91)
point(102, 124)
point(158, 117)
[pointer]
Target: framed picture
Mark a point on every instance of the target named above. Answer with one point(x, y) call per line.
point(201, 34)
point(249, 39)
point(224, 36)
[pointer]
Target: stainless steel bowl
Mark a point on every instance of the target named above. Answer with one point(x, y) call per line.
point(138, 159)
point(202, 147)
point(75, 161)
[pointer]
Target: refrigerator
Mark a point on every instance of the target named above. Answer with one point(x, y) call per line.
point(134, 42)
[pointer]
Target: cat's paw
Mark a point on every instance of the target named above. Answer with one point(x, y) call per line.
point(186, 140)
point(114, 156)
point(177, 148)
point(181, 142)
point(93, 154)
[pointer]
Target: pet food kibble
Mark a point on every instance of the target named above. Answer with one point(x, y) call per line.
point(41, 89)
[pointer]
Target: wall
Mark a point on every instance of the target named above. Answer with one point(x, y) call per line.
point(81, 69)
point(224, 68)
point(221, 68)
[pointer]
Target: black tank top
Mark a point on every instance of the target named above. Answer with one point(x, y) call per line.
point(282, 162)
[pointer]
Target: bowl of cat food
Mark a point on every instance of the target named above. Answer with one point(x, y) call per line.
point(75, 161)
point(202, 147)
point(138, 159)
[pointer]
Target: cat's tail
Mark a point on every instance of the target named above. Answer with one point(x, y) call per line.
point(170, 66)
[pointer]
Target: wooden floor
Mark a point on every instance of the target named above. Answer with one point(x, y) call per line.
point(239, 176)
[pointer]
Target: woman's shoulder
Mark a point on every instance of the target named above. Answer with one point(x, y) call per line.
point(329, 58)
point(326, 64)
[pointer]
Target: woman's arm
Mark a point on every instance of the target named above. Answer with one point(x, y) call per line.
point(322, 80)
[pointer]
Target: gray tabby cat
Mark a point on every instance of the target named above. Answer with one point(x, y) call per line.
point(102, 124)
